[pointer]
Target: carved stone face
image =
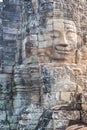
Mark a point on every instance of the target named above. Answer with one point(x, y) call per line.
point(64, 39)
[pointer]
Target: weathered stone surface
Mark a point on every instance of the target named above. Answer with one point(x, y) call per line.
point(43, 64)
point(77, 126)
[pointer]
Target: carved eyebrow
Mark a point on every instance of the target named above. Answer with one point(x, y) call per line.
point(69, 23)
point(69, 26)
point(72, 31)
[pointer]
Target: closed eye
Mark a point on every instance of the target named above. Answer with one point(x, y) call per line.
point(71, 35)
point(57, 34)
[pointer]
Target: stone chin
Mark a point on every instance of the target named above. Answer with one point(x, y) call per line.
point(62, 56)
point(67, 56)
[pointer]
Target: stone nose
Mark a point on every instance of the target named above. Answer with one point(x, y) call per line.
point(63, 41)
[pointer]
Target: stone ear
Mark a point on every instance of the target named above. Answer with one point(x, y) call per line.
point(79, 41)
point(77, 57)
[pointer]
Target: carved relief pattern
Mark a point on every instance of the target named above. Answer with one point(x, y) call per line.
point(49, 73)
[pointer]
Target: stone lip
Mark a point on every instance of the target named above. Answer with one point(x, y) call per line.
point(79, 126)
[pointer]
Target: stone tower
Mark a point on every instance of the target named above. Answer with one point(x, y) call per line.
point(43, 64)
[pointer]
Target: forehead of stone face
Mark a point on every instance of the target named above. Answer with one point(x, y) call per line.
point(58, 24)
point(62, 24)
point(69, 25)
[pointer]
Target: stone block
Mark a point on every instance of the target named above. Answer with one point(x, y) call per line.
point(33, 37)
point(84, 98)
point(59, 124)
point(66, 115)
point(8, 69)
point(49, 28)
point(2, 116)
point(66, 96)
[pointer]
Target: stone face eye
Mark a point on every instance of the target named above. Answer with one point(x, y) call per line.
point(71, 36)
point(57, 34)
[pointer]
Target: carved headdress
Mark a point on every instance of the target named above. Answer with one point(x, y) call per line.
point(69, 9)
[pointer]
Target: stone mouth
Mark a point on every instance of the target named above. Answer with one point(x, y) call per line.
point(63, 52)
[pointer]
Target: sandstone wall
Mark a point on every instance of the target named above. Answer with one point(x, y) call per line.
point(43, 64)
